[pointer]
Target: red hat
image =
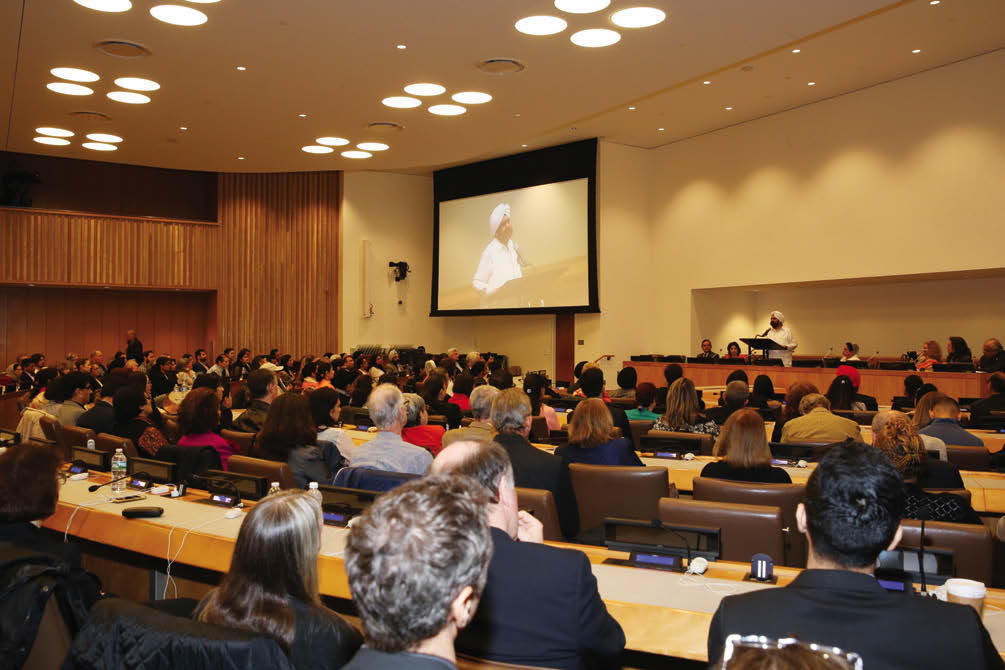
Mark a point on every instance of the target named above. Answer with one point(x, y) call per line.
point(851, 373)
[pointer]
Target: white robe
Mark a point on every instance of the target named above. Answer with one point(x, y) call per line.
point(784, 337)
point(498, 265)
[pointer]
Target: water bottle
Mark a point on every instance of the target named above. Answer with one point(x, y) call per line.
point(118, 471)
point(312, 490)
point(91, 445)
point(274, 488)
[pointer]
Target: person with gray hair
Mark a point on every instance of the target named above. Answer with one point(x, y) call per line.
point(733, 398)
point(558, 599)
point(387, 450)
point(417, 562)
point(417, 430)
point(470, 359)
point(481, 427)
point(818, 424)
point(930, 442)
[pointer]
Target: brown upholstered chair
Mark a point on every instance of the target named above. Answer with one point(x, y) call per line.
point(53, 431)
point(639, 428)
point(659, 440)
point(243, 441)
point(784, 496)
point(438, 420)
point(543, 504)
point(971, 544)
point(862, 418)
point(963, 493)
point(273, 471)
point(109, 443)
point(745, 530)
point(539, 428)
point(969, 458)
point(75, 436)
point(609, 490)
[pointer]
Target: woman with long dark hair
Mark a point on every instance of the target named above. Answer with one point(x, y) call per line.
point(958, 351)
point(289, 435)
point(535, 386)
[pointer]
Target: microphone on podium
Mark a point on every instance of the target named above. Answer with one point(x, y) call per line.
point(766, 331)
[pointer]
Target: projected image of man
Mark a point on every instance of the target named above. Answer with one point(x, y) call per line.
point(500, 261)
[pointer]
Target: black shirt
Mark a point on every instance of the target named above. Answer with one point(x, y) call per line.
point(371, 659)
point(764, 475)
point(29, 536)
point(536, 469)
point(994, 363)
point(100, 418)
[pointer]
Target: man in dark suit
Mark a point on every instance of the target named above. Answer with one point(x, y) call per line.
point(993, 358)
point(160, 381)
point(591, 382)
point(533, 468)
point(134, 348)
point(854, 501)
point(199, 364)
point(101, 417)
point(540, 605)
point(993, 403)
point(734, 398)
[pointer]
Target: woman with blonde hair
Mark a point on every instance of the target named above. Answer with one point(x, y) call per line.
point(931, 353)
point(923, 409)
point(592, 440)
point(744, 452)
point(682, 415)
point(272, 586)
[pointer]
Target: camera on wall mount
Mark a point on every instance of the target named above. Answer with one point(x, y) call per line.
point(401, 270)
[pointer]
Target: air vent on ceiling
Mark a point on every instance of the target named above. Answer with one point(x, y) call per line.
point(384, 127)
point(501, 66)
point(122, 49)
point(90, 116)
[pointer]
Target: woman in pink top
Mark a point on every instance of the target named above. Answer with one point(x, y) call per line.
point(534, 386)
point(463, 385)
point(198, 416)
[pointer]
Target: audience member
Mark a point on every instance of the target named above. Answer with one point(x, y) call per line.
point(995, 402)
point(464, 383)
point(362, 387)
point(161, 381)
point(535, 386)
point(592, 440)
point(198, 418)
point(852, 511)
point(993, 358)
point(222, 390)
point(76, 391)
point(738, 376)
point(645, 398)
point(501, 379)
point(734, 398)
point(533, 468)
point(958, 351)
point(931, 353)
point(200, 362)
point(101, 417)
point(289, 435)
point(868, 402)
point(551, 615)
point(923, 400)
point(743, 449)
point(132, 421)
point(945, 423)
point(417, 562)
point(762, 394)
point(911, 385)
point(434, 393)
point(219, 368)
point(841, 395)
point(628, 379)
point(818, 424)
point(481, 427)
point(387, 450)
point(592, 385)
point(185, 376)
point(417, 430)
point(671, 373)
point(271, 587)
point(682, 414)
point(325, 410)
point(929, 443)
point(240, 367)
point(263, 389)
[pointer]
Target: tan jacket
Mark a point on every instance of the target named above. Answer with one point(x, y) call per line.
point(820, 425)
point(478, 430)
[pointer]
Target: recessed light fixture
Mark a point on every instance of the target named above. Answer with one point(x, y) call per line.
point(106, 5)
point(372, 146)
point(471, 97)
point(356, 154)
point(638, 17)
point(401, 46)
point(933, 2)
point(54, 132)
point(178, 15)
point(582, 6)
point(316, 149)
point(595, 37)
point(916, 51)
point(137, 84)
point(129, 97)
point(632, 108)
point(795, 51)
point(204, 2)
point(240, 68)
point(523, 145)
point(54, 141)
point(74, 74)
point(811, 83)
point(541, 25)
point(240, 158)
point(104, 137)
point(706, 82)
point(660, 129)
point(99, 146)
point(729, 109)
point(182, 127)
point(332, 141)
point(68, 89)
point(401, 102)
point(302, 116)
point(447, 110)
point(424, 89)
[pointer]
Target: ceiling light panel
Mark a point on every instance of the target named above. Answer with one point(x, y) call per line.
point(69, 89)
point(129, 97)
point(52, 141)
point(332, 141)
point(316, 149)
point(74, 74)
point(582, 6)
point(356, 154)
point(471, 97)
point(541, 25)
point(447, 110)
point(595, 38)
point(638, 17)
point(177, 15)
point(372, 146)
point(54, 132)
point(106, 5)
point(104, 137)
point(137, 84)
point(401, 102)
point(99, 146)
point(425, 89)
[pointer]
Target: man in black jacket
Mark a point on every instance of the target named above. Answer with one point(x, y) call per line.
point(134, 348)
point(540, 605)
point(533, 468)
point(854, 502)
point(101, 417)
point(993, 403)
point(993, 358)
point(591, 382)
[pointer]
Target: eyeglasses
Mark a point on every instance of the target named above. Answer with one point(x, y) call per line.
point(735, 644)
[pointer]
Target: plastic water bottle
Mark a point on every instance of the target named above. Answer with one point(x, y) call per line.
point(119, 464)
point(91, 445)
point(312, 489)
point(273, 489)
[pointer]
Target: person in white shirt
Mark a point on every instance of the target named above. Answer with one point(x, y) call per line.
point(850, 352)
point(500, 261)
point(783, 336)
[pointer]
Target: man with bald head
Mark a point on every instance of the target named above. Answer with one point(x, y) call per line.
point(993, 358)
point(540, 605)
point(783, 336)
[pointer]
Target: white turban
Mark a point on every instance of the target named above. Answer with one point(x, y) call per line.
point(778, 315)
point(495, 219)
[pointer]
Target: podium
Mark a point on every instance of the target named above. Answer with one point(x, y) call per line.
point(762, 344)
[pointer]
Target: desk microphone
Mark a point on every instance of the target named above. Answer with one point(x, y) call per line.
point(761, 567)
point(94, 487)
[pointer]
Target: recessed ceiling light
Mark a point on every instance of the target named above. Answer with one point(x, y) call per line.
point(137, 84)
point(54, 132)
point(447, 110)
point(706, 82)
point(178, 15)
point(401, 46)
point(106, 5)
point(632, 108)
point(332, 141)
point(241, 68)
point(68, 89)
point(729, 109)
point(401, 102)
point(182, 127)
point(595, 37)
point(934, 2)
point(357, 154)
point(204, 2)
point(99, 146)
point(916, 51)
point(424, 89)
point(638, 17)
point(541, 25)
point(582, 6)
point(129, 97)
point(471, 97)
point(104, 137)
point(54, 141)
point(523, 145)
point(811, 83)
point(316, 149)
point(372, 146)
point(74, 74)
point(302, 116)
point(795, 51)
point(660, 129)
point(240, 158)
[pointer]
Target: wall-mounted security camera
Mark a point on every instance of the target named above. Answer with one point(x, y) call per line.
point(400, 270)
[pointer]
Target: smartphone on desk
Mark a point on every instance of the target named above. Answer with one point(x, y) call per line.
point(130, 498)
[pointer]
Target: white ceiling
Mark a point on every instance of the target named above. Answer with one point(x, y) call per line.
point(336, 60)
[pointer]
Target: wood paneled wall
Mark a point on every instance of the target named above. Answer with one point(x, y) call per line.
point(272, 261)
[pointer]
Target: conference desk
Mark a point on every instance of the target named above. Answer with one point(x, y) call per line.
point(881, 384)
point(660, 612)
